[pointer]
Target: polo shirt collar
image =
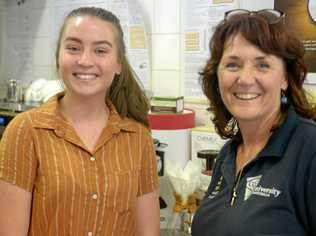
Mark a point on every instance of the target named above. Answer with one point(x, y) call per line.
point(279, 139)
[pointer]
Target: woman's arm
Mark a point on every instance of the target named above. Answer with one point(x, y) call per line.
point(148, 214)
point(15, 206)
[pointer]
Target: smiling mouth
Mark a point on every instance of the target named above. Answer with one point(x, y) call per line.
point(246, 96)
point(85, 76)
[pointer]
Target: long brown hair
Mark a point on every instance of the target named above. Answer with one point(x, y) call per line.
point(271, 39)
point(125, 92)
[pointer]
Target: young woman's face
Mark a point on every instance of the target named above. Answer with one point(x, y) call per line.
point(88, 56)
point(250, 81)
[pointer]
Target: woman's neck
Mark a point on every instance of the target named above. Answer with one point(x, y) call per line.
point(256, 133)
point(254, 138)
point(248, 150)
point(78, 110)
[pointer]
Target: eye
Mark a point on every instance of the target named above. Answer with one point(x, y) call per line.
point(263, 66)
point(232, 66)
point(101, 51)
point(72, 48)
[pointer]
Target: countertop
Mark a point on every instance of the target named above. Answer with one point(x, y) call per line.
point(171, 232)
point(15, 107)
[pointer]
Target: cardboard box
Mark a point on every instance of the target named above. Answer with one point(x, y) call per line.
point(166, 104)
point(205, 137)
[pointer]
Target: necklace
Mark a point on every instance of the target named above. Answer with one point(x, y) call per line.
point(234, 194)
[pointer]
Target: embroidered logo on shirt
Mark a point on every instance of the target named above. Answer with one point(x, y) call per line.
point(252, 188)
point(217, 188)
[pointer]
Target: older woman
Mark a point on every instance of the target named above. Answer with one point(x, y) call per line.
point(264, 178)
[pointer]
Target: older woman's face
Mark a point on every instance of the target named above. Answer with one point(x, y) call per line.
point(250, 81)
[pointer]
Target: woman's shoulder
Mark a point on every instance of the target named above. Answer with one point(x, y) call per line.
point(23, 117)
point(20, 126)
point(227, 148)
point(31, 116)
point(135, 125)
point(303, 137)
point(125, 122)
point(306, 126)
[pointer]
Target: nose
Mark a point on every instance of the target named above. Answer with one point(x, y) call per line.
point(85, 59)
point(246, 76)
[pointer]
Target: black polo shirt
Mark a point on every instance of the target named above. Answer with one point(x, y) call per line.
point(276, 194)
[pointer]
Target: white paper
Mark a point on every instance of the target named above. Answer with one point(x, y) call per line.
point(200, 19)
point(120, 9)
point(257, 5)
point(311, 79)
point(140, 63)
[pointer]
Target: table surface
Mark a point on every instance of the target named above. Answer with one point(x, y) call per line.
point(172, 232)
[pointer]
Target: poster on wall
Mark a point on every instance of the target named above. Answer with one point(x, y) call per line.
point(200, 18)
point(301, 22)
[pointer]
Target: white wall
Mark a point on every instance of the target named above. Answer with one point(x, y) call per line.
point(2, 58)
point(37, 19)
point(28, 26)
point(166, 41)
point(163, 23)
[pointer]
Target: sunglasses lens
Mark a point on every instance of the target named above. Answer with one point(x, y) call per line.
point(272, 16)
point(233, 13)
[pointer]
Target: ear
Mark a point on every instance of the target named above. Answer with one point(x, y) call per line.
point(118, 68)
point(284, 86)
point(284, 83)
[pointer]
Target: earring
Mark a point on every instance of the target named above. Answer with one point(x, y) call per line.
point(284, 100)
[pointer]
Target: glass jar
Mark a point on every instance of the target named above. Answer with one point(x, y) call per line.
point(13, 91)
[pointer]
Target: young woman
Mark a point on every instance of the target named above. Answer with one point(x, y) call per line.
point(83, 163)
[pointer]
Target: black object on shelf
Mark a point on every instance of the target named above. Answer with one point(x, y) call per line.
point(160, 155)
point(162, 203)
point(210, 156)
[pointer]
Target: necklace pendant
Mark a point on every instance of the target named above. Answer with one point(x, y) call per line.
point(232, 201)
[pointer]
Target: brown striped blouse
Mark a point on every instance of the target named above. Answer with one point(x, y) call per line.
point(75, 191)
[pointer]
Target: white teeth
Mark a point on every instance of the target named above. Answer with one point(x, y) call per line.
point(246, 96)
point(85, 76)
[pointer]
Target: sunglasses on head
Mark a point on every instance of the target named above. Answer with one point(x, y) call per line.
point(270, 15)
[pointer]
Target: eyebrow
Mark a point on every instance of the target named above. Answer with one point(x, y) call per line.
point(95, 43)
point(233, 57)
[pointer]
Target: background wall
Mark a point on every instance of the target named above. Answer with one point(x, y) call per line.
point(28, 30)
point(2, 23)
